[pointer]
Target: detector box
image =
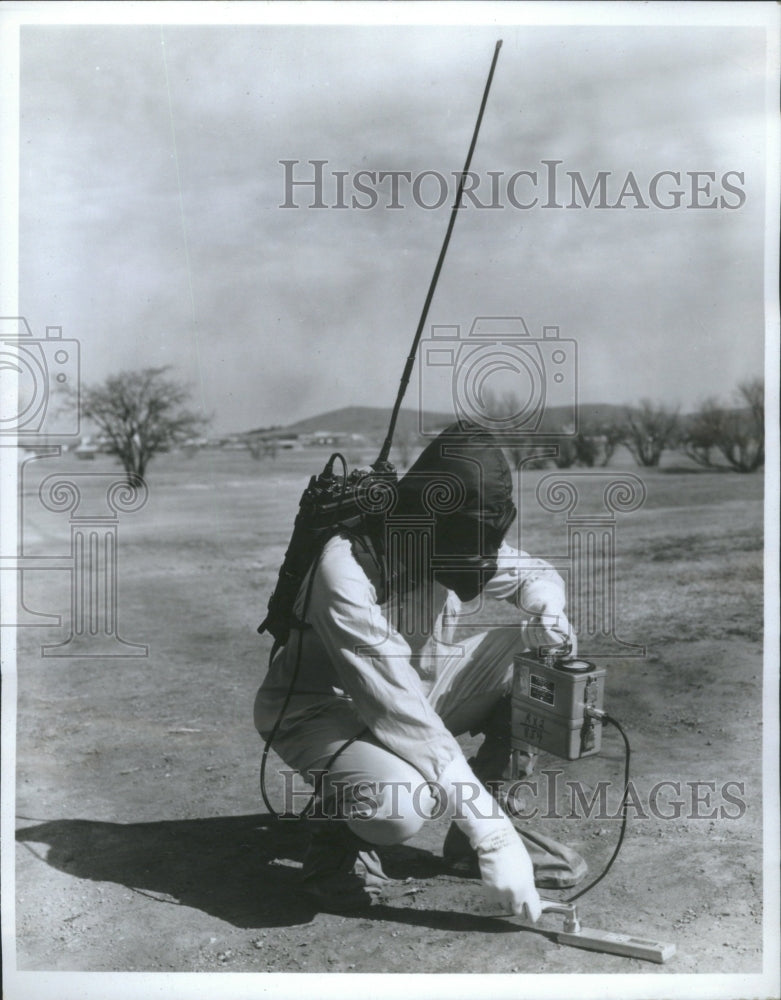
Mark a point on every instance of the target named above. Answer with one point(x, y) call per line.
point(552, 697)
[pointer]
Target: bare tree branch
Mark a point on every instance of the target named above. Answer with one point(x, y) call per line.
point(648, 430)
point(738, 435)
point(593, 444)
point(141, 413)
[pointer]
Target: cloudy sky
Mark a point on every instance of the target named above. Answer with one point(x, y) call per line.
point(150, 186)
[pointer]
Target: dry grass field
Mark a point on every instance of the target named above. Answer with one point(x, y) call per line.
point(143, 844)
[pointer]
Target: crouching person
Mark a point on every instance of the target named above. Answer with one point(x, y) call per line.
point(382, 691)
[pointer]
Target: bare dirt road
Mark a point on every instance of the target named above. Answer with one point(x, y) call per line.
point(142, 841)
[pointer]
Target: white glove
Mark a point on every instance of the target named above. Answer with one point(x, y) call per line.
point(548, 629)
point(507, 873)
point(505, 867)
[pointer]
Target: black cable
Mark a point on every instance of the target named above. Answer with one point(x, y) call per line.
point(614, 855)
point(300, 628)
point(343, 460)
point(268, 742)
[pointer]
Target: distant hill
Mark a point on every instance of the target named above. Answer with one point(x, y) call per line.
point(372, 421)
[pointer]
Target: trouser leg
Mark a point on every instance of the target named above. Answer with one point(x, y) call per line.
point(367, 797)
point(472, 676)
point(472, 693)
point(383, 798)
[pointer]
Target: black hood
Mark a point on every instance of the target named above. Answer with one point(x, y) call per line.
point(463, 483)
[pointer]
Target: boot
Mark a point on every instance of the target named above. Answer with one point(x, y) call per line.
point(555, 866)
point(341, 872)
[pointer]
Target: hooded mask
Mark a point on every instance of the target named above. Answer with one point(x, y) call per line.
point(462, 481)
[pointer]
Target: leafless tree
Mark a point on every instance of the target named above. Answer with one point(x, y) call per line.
point(737, 433)
point(566, 452)
point(648, 430)
point(141, 413)
point(592, 445)
point(607, 435)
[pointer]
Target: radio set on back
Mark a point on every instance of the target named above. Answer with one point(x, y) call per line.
point(329, 504)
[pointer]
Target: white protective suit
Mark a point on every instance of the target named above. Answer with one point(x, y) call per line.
point(381, 688)
point(414, 694)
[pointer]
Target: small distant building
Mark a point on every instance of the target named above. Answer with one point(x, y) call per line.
point(333, 439)
point(319, 439)
point(233, 443)
point(290, 443)
point(86, 449)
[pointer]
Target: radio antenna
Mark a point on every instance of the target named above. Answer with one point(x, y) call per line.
point(382, 460)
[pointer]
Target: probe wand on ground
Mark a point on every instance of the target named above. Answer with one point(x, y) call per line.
point(612, 942)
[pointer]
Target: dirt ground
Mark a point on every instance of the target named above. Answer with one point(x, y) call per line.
point(142, 841)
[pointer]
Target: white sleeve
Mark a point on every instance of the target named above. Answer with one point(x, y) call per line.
point(532, 585)
point(372, 661)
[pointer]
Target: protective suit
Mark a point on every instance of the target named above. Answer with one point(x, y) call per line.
point(378, 664)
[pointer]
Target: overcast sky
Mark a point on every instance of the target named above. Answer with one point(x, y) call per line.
point(150, 226)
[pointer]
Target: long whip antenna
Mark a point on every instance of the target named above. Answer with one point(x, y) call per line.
point(382, 458)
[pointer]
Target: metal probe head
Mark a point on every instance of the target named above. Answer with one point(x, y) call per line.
point(570, 912)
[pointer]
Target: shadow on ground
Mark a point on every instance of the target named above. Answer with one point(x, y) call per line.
point(240, 869)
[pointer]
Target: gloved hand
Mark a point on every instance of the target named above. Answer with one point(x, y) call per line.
point(549, 629)
point(505, 866)
point(508, 875)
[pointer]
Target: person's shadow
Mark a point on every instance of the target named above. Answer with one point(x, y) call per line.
point(244, 870)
